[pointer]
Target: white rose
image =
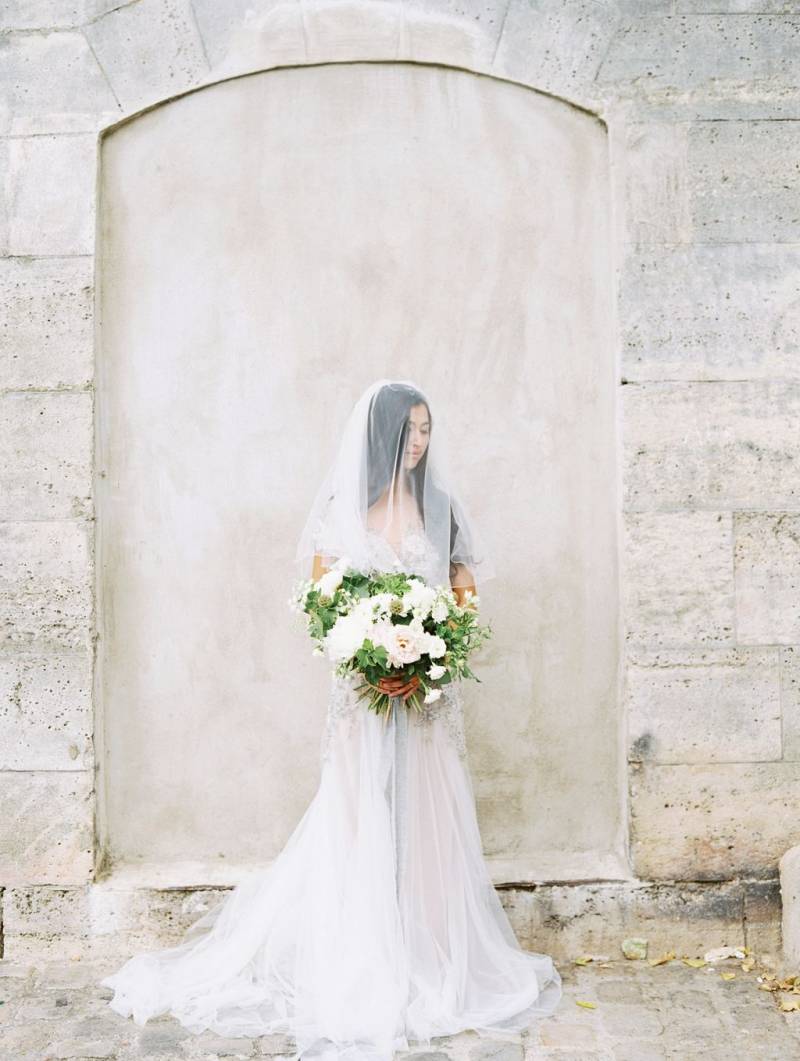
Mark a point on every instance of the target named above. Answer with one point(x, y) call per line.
point(439, 612)
point(436, 670)
point(346, 636)
point(401, 642)
point(434, 646)
point(432, 695)
point(419, 598)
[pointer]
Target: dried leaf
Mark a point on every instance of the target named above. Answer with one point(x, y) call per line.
point(728, 976)
point(668, 957)
point(585, 960)
point(748, 965)
point(791, 1004)
point(695, 963)
point(586, 1005)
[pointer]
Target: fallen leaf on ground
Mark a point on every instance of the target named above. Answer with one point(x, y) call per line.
point(790, 1004)
point(748, 965)
point(664, 958)
point(728, 976)
point(586, 1005)
point(695, 963)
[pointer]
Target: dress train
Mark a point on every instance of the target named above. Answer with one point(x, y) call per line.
point(376, 927)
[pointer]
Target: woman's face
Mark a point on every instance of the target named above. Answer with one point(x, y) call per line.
point(419, 428)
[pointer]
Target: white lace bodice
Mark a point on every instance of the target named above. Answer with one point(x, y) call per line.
point(416, 554)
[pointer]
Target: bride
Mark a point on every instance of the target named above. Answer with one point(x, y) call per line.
point(377, 926)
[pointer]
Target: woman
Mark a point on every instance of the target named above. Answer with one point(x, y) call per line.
point(377, 926)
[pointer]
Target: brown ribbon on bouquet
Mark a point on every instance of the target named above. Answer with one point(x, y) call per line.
point(395, 687)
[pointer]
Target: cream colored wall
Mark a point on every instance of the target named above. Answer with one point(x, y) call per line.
point(268, 246)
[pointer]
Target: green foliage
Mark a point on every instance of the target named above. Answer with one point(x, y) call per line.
point(457, 626)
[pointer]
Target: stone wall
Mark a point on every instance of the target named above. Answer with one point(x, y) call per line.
point(703, 110)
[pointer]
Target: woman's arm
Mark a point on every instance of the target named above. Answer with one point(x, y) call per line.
point(462, 581)
point(319, 568)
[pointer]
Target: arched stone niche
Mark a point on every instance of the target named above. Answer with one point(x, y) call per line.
point(269, 245)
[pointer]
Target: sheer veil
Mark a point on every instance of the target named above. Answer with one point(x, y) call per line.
point(377, 485)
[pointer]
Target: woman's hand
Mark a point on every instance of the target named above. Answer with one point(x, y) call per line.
point(397, 686)
point(464, 595)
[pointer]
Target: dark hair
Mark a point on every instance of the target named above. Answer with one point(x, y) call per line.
point(387, 432)
point(388, 416)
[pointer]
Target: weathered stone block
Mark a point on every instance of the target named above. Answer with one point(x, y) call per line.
point(790, 702)
point(679, 579)
point(690, 918)
point(348, 32)
point(557, 47)
point(704, 705)
point(50, 194)
point(723, 445)
point(45, 461)
point(46, 712)
point(762, 923)
point(5, 170)
point(46, 586)
point(709, 181)
point(53, 84)
point(729, 311)
point(767, 574)
point(652, 161)
point(47, 308)
point(683, 51)
point(46, 822)
point(46, 911)
point(745, 180)
point(51, 14)
point(790, 900)
point(100, 919)
point(713, 822)
point(149, 50)
point(466, 42)
point(222, 25)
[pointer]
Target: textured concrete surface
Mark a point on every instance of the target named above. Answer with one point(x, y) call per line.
point(626, 1011)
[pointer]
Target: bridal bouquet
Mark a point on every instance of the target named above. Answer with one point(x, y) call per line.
point(383, 625)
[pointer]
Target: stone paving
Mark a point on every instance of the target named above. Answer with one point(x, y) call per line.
point(641, 1013)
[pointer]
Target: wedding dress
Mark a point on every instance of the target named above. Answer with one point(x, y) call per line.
point(377, 926)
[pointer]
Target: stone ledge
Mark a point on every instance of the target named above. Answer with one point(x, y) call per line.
point(108, 918)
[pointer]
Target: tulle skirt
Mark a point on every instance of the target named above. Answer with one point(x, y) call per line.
point(377, 926)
